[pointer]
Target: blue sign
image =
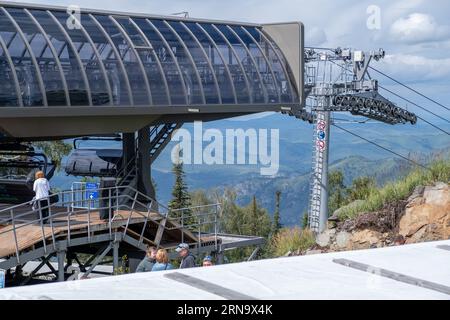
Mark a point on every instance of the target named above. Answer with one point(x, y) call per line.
point(92, 190)
point(2, 279)
point(321, 135)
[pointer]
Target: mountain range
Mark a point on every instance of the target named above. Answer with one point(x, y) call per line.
point(354, 156)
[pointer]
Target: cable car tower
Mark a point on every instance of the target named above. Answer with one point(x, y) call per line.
point(337, 80)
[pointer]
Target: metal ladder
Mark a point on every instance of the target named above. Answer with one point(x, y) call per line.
point(315, 188)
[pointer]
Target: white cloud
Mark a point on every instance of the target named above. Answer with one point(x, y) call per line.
point(415, 68)
point(417, 28)
point(315, 36)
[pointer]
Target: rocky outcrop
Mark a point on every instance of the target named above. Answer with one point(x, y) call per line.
point(424, 216)
point(427, 215)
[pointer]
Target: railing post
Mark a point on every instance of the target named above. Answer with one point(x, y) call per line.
point(51, 222)
point(42, 226)
point(182, 226)
point(131, 213)
point(109, 212)
point(15, 237)
point(68, 227)
point(215, 227)
point(64, 202)
point(117, 199)
point(145, 223)
point(89, 221)
point(72, 196)
point(199, 239)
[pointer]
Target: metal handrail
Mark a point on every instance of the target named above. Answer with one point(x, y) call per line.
point(70, 202)
point(71, 211)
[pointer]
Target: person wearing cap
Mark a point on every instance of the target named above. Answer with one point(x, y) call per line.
point(207, 261)
point(187, 258)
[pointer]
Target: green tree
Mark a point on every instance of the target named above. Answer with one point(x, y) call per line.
point(360, 188)
point(54, 150)
point(276, 216)
point(202, 203)
point(251, 220)
point(305, 220)
point(180, 195)
point(337, 191)
point(200, 198)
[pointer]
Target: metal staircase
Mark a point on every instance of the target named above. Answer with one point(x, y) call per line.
point(26, 235)
point(160, 137)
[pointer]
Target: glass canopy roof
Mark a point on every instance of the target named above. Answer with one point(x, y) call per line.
point(121, 60)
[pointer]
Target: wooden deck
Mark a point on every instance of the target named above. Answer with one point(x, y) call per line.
point(29, 235)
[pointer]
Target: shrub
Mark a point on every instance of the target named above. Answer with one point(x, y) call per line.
point(400, 190)
point(291, 239)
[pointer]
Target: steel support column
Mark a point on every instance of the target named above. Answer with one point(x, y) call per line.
point(61, 257)
point(318, 213)
point(116, 245)
point(323, 216)
point(144, 184)
point(128, 147)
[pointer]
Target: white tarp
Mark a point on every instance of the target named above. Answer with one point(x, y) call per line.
point(305, 277)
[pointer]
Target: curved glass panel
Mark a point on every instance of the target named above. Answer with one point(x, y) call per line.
point(263, 68)
point(129, 59)
point(56, 95)
point(96, 78)
point(148, 58)
point(239, 78)
point(8, 96)
point(67, 57)
point(189, 72)
point(284, 85)
point(115, 59)
point(113, 68)
point(201, 63)
point(246, 61)
point(217, 61)
point(25, 69)
point(169, 66)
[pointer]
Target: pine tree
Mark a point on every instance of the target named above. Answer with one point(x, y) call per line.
point(254, 217)
point(180, 195)
point(305, 220)
point(276, 217)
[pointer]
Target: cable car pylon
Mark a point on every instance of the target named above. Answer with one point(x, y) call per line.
point(337, 81)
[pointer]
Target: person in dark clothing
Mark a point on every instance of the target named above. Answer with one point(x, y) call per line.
point(146, 265)
point(187, 258)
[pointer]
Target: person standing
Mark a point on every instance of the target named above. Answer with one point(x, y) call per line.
point(187, 258)
point(162, 261)
point(41, 188)
point(148, 262)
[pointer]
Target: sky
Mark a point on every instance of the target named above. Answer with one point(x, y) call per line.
point(414, 33)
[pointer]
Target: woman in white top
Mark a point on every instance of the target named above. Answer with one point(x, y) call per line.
point(42, 189)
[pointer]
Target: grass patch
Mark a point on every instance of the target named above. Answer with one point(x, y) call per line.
point(291, 239)
point(399, 190)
